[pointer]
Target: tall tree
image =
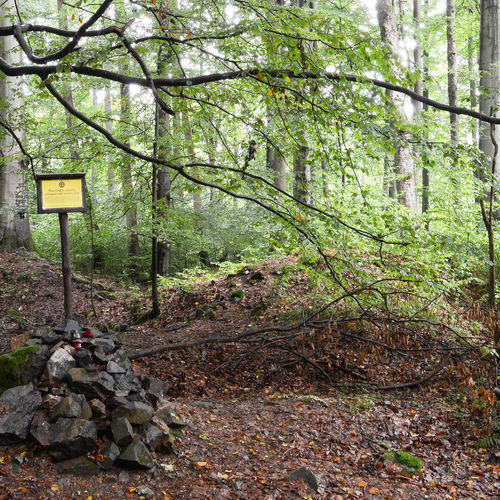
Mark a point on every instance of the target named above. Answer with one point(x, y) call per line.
point(127, 181)
point(163, 192)
point(451, 51)
point(489, 69)
point(405, 168)
point(14, 220)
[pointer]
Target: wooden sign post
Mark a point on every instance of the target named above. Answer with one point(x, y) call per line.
point(62, 193)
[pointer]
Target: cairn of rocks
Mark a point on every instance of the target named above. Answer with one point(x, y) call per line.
point(76, 395)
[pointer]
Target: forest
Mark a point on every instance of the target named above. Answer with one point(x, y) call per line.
point(290, 223)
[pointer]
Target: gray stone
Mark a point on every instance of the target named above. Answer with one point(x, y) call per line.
point(120, 356)
point(92, 383)
point(144, 491)
point(101, 357)
point(155, 389)
point(307, 475)
point(70, 325)
point(135, 412)
point(208, 405)
point(105, 344)
point(123, 477)
point(166, 417)
point(51, 338)
point(40, 331)
point(40, 427)
point(59, 365)
point(98, 407)
point(122, 431)
point(84, 359)
point(17, 409)
point(136, 455)
point(109, 455)
point(127, 382)
point(112, 367)
point(116, 400)
point(67, 438)
point(50, 401)
point(33, 341)
point(37, 361)
point(115, 338)
point(80, 466)
point(72, 406)
point(154, 438)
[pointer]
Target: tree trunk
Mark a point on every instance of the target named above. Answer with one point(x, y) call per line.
point(188, 136)
point(489, 70)
point(109, 129)
point(163, 191)
point(472, 86)
point(128, 188)
point(302, 170)
point(14, 219)
point(452, 75)
point(277, 164)
point(405, 167)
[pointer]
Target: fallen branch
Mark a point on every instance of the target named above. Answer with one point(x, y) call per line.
point(415, 383)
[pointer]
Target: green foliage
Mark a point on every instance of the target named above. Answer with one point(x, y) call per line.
point(221, 203)
point(488, 441)
point(13, 365)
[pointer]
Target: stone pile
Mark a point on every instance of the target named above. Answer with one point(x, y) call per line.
point(70, 398)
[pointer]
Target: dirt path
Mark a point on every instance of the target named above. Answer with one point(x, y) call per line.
point(247, 434)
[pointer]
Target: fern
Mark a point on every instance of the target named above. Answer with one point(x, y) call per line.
point(487, 442)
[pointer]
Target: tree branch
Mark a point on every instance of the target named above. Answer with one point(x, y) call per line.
point(70, 46)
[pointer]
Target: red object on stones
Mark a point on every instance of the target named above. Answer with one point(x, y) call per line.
point(87, 333)
point(77, 341)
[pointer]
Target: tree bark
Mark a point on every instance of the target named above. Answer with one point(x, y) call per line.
point(472, 85)
point(489, 70)
point(425, 170)
point(452, 76)
point(302, 170)
point(14, 215)
point(128, 187)
point(277, 164)
point(109, 129)
point(405, 168)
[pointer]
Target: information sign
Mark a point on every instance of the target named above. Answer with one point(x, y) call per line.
point(61, 193)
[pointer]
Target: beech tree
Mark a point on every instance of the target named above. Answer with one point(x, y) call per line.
point(14, 213)
point(405, 167)
point(229, 99)
point(489, 69)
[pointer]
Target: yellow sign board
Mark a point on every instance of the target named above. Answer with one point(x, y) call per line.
point(61, 193)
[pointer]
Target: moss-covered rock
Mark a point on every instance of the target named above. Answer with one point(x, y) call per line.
point(407, 461)
point(13, 366)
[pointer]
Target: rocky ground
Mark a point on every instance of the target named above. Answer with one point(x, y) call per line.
point(262, 425)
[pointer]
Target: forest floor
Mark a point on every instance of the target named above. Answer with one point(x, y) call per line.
point(263, 407)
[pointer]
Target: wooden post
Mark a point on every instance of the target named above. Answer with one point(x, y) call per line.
point(66, 265)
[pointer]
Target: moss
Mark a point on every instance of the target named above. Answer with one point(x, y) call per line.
point(10, 242)
point(175, 432)
point(238, 293)
point(410, 463)
point(12, 366)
